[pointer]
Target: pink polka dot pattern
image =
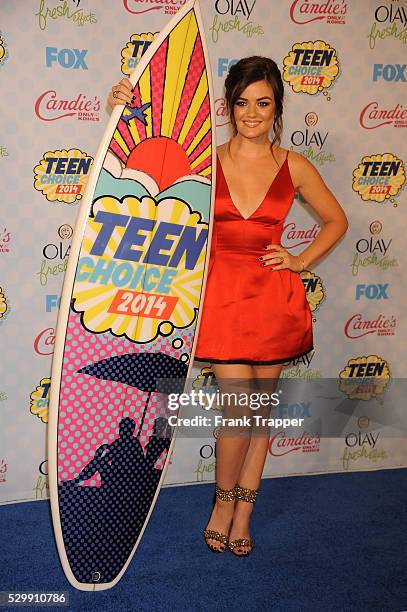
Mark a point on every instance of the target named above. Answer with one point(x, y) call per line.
point(91, 409)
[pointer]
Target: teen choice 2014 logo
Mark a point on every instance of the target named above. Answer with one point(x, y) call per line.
point(141, 267)
point(3, 50)
point(314, 289)
point(379, 177)
point(39, 400)
point(134, 50)
point(364, 377)
point(62, 175)
point(311, 67)
point(4, 305)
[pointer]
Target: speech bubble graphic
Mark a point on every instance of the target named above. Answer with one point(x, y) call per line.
point(141, 267)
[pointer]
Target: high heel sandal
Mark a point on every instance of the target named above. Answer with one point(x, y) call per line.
point(247, 495)
point(210, 534)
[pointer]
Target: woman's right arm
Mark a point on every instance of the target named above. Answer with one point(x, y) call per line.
point(123, 93)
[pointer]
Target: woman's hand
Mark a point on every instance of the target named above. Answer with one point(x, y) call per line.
point(122, 93)
point(280, 259)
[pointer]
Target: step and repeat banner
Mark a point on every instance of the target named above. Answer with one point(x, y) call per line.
point(344, 70)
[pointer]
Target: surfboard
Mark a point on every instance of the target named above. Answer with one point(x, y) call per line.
point(130, 306)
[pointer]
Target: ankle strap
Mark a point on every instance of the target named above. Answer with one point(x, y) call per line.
point(247, 495)
point(225, 494)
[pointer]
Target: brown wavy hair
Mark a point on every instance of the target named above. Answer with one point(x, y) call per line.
point(249, 70)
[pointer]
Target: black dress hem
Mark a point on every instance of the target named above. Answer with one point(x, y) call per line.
point(250, 362)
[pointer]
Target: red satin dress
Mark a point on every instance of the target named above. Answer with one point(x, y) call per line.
point(252, 314)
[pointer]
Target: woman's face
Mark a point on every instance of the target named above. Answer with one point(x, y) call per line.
point(254, 111)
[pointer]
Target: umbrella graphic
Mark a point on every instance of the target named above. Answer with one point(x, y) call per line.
point(150, 372)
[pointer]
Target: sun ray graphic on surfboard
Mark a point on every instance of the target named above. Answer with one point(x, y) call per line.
point(130, 306)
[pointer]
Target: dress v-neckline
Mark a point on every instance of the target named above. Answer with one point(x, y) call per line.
point(263, 200)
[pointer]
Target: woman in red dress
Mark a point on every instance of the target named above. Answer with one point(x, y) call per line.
point(255, 315)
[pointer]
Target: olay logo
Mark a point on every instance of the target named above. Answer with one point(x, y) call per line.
point(44, 342)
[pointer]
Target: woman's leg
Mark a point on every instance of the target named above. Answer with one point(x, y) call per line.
point(231, 445)
point(251, 470)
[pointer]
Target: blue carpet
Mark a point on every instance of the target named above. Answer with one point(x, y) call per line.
point(330, 543)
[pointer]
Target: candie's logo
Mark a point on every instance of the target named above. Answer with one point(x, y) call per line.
point(314, 289)
point(137, 7)
point(4, 305)
point(379, 177)
point(294, 237)
point(311, 67)
point(282, 444)
point(62, 175)
point(50, 107)
point(134, 50)
point(331, 11)
point(3, 50)
point(358, 326)
point(375, 116)
point(44, 342)
point(39, 400)
point(364, 377)
point(221, 112)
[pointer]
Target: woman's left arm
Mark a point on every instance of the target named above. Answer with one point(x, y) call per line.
point(309, 183)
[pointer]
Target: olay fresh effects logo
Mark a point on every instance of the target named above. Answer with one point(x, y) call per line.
point(311, 67)
point(55, 256)
point(3, 50)
point(134, 50)
point(49, 106)
point(364, 377)
point(66, 58)
point(310, 141)
point(4, 240)
point(221, 112)
point(64, 9)
point(314, 289)
point(361, 445)
point(294, 237)
point(45, 341)
point(359, 325)
point(330, 11)
point(39, 400)
point(294, 368)
point(373, 251)
point(4, 305)
point(281, 444)
point(61, 175)
point(379, 177)
point(234, 16)
point(375, 115)
point(3, 471)
point(137, 7)
point(390, 20)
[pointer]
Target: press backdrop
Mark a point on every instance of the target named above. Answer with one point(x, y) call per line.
point(345, 83)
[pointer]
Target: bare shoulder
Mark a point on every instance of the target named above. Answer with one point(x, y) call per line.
point(221, 150)
point(301, 169)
